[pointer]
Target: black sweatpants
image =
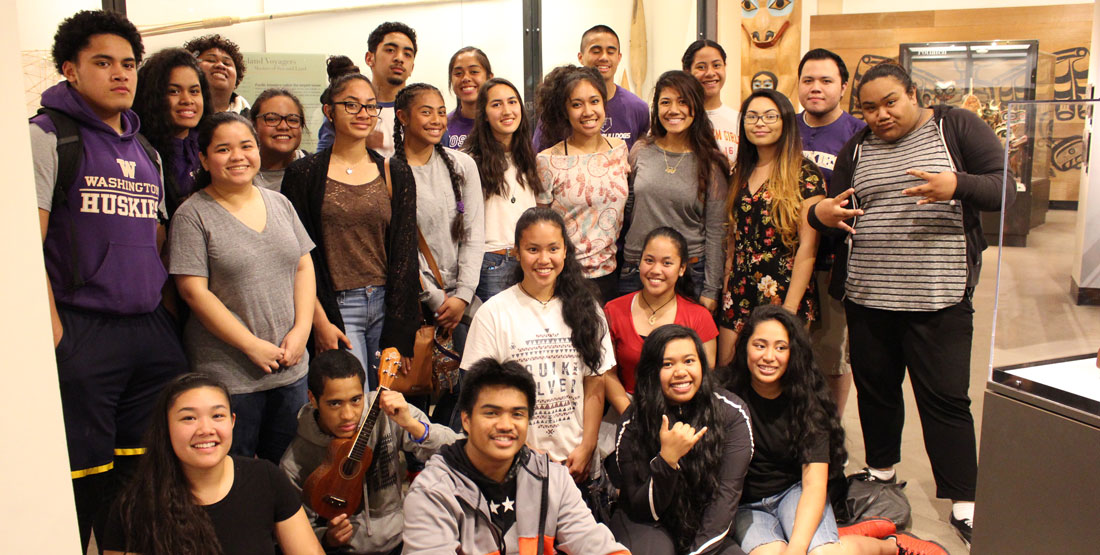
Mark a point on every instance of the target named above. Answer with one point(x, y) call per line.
point(935, 347)
point(650, 538)
point(111, 370)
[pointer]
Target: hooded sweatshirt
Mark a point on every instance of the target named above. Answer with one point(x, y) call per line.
point(378, 528)
point(446, 512)
point(112, 212)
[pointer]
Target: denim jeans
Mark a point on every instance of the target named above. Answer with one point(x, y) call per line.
point(363, 310)
point(497, 274)
point(630, 279)
point(267, 421)
point(771, 519)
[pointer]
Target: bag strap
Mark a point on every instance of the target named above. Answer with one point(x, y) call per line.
point(70, 156)
point(389, 182)
point(423, 244)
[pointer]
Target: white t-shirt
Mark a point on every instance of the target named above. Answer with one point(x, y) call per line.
point(511, 326)
point(726, 122)
point(503, 211)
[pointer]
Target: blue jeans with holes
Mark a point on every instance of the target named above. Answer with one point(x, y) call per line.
point(267, 421)
point(497, 274)
point(630, 279)
point(771, 519)
point(363, 310)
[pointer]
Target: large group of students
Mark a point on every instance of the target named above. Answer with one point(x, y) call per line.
point(702, 282)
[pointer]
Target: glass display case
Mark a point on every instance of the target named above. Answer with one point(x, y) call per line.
point(984, 77)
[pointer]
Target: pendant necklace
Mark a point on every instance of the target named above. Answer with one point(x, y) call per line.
point(540, 301)
point(672, 169)
point(652, 311)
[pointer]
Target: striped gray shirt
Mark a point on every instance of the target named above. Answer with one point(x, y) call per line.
point(904, 256)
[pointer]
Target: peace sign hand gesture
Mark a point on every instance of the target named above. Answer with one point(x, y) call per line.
point(677, 440)
point(833, 211)
point(939, 186)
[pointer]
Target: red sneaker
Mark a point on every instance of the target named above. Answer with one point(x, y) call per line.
point(875, 527)
point(909, 544)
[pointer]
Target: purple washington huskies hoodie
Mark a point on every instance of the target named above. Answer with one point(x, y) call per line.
point(113, 209)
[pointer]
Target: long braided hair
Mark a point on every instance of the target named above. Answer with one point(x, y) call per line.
point(404, 99)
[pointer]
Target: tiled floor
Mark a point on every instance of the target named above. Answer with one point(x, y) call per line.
point(1036, 321)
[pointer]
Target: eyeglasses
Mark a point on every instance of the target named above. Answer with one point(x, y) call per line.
point(354, 108)
point(271, 119)
point(769, 118)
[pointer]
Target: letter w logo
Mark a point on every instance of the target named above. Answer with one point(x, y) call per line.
point(127, 167)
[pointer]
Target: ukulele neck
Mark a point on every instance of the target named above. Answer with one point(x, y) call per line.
point(363, 436)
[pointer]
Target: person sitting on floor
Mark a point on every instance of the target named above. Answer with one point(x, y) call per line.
point(490, 493)
point(336, 402)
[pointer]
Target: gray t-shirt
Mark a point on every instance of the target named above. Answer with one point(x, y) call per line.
point(251, 273)
point(459, 262)
point(672, 199)
point(273, 179)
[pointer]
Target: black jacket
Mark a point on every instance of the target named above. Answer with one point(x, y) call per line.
point(304, 184)
point(979, 160)
point(649, 485)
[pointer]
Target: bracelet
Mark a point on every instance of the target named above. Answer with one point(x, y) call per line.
point(427, 427)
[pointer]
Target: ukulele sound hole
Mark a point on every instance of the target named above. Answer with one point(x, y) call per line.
point(349, 468)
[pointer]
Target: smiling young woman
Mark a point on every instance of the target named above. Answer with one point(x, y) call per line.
point(172, 98)
point(679, 180)
point(279, 120)
point(240, 258)
point(682, 451)
point(585, 175)
point(500, 143)
point(219, 504)
point(706, 61)
point(772, 248)
point(467, 70)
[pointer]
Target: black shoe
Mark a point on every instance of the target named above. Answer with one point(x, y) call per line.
point(866, 476)
point(965, 528)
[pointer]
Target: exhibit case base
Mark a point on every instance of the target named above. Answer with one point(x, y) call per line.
point(1038, 485)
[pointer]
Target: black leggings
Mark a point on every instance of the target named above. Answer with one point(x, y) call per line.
point(935, 347)
point(646, 538)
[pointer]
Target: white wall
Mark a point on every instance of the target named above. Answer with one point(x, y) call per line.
point(36, 508)
point(1086, 253)
point(876, 6)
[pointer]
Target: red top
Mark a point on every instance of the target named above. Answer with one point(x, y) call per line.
point(628, 344)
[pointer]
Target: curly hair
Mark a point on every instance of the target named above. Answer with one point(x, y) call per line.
point(201, 44)
point(206, 135)
point(73, 35)
point(401, 104)
point(374, 40)
point(151, 102)
point(492, 160)
point(552, 96)
point(700, 133)
point(811, 410)
point(784, 180)
point(580, 306)
point(697, 467)
point(160, 513)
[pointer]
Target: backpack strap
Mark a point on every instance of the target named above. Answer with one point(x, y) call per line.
point(70, 156)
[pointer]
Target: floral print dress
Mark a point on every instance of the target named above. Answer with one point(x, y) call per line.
point(762, 264)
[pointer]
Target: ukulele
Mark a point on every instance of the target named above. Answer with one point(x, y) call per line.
point(336, 487)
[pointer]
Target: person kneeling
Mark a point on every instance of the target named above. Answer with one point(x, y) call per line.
point(335, 408)
point(490, 493)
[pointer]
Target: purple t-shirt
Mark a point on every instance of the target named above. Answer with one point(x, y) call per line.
point(627, 119)
point(111, 215)
point(458, 128)
point(185, 160)
point(821, 144)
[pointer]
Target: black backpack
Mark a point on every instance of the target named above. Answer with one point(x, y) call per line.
point(70, 155)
